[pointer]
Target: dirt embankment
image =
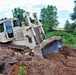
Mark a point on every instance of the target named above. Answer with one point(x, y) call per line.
point(67, 56)
point(61, 63)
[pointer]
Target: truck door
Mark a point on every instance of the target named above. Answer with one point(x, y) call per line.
point(9, 29)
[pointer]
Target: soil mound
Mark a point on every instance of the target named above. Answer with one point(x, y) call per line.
point(37, 67)
point(67, 56)
point(60, 63)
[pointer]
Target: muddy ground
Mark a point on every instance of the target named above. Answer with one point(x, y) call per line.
point(60, 63)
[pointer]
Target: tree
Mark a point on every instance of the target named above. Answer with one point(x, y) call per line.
point(73, 15)
point(48, 16)
point(67, 25)
point(73, 26)
point(18, 12)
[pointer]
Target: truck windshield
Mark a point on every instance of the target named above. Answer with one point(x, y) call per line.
point(9, 29)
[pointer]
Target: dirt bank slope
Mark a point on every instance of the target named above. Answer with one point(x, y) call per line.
point(61, 63)
point(67, 56)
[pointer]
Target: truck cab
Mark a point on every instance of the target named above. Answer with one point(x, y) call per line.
point(6, 29)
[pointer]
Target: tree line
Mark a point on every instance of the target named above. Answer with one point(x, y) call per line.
point(48, 17)
point(71, 26)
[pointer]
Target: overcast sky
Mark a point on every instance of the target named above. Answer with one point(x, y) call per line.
point(65, 7)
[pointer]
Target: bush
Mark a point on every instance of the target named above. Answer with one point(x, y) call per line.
point(67, 38)
point(74, 32)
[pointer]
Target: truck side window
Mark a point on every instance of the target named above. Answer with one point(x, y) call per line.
point(1, 27)
point(15, 23)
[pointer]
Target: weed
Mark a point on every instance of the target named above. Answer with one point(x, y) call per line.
point(22, 70)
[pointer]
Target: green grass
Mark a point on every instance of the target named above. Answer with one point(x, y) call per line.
point(22, 70)
point(68, 39)
point(71, 45)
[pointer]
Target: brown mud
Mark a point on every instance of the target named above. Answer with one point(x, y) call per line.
point(60, 63)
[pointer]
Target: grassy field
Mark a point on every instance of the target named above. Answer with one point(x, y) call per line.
point(68, 39)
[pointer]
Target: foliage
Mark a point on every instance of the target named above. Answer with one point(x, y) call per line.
point(18, 12)
point(73, 15)
point(67, 38)
point(74, 32)
point(22, 70)
point(67, 25)
point(48, 16)
point(32, 20)
point(3, 19)
point(73, 26)
point(70, 27)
